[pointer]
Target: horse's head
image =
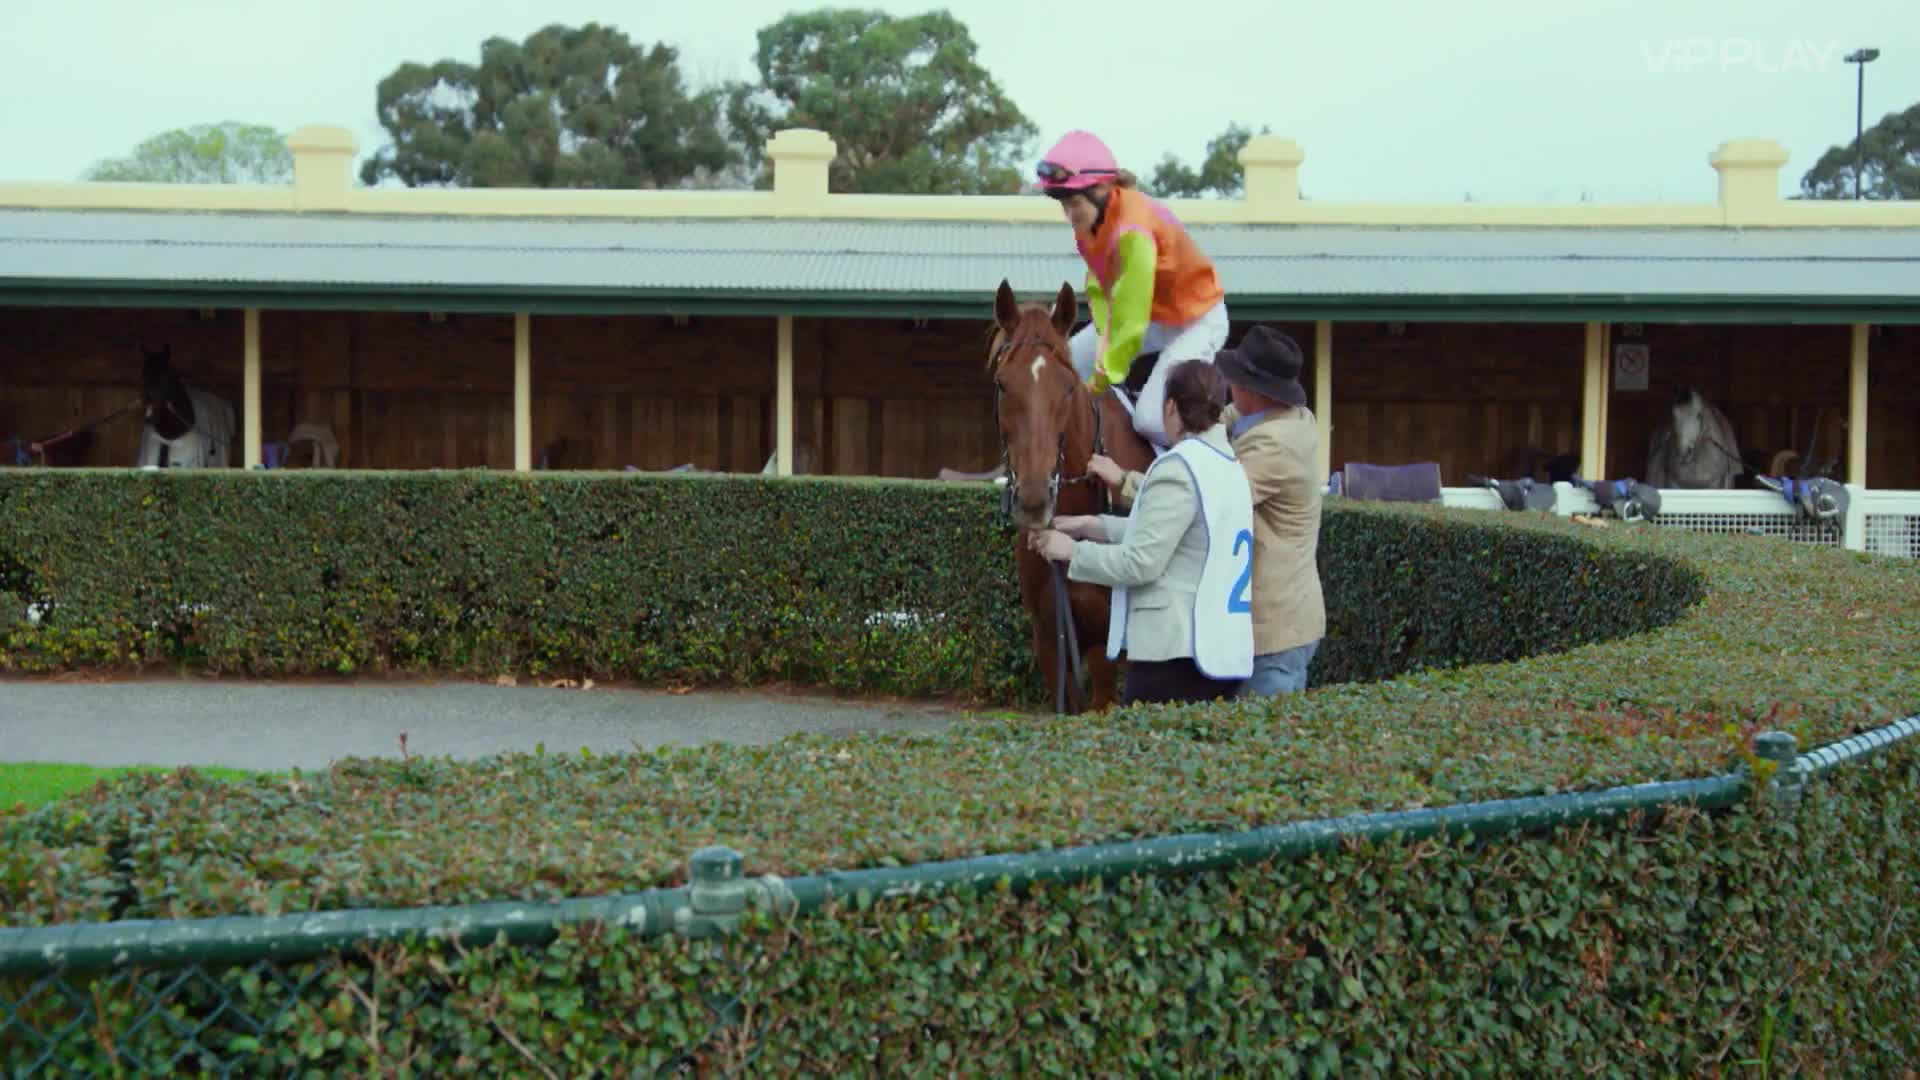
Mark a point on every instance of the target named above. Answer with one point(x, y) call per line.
point(1686, 419)
point(1037, 397)
point(169, 411)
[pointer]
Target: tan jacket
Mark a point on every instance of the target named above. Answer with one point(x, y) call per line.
point(1160, 564)
point(1279, 453)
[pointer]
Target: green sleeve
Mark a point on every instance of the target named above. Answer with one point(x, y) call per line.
point(1096, 303)
point(1132, 303)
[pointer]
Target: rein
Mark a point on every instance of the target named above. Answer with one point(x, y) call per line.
point(1066, 636)
point(39, 447)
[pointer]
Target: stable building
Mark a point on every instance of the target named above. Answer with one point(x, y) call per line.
point(846, 334)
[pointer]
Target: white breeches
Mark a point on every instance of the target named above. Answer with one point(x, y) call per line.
point(1197, 340)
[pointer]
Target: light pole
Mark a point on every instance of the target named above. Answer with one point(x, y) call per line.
point(1862, 57)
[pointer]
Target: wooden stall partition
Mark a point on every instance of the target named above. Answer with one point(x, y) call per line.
point(1893, 409)
point(899, 397)
point(653, 392)
point(1494, 399)
point(1782, 387)
point(62, 367)
point(398, 390)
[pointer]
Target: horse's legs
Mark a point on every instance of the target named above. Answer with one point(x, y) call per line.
point(1036, 595)
point(1092, 607)
point(1104, 674)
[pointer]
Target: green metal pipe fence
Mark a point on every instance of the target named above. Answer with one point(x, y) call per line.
point(63, 958)
point(717, 893)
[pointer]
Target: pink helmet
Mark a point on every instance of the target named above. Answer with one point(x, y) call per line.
point(1078, 161)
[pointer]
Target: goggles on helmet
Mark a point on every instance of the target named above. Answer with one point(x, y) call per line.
point(1055, 173)
point(1052, 173)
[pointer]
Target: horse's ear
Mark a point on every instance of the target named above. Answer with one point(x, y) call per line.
point(1006, 310)
point(154, 361)
point(1065, 307)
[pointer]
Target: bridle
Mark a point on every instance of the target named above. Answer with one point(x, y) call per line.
point(167, 404)
point(1054, 479)
point(1066, 637)
point(1706, 438)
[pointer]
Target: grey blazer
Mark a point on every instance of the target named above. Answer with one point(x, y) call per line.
point(1160, 563)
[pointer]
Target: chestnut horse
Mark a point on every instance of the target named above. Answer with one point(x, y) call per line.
point(1050, 425)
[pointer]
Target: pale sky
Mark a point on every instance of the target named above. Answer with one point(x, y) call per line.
point(1392, 100)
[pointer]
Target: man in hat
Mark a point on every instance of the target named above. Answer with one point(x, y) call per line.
point(1277, 441)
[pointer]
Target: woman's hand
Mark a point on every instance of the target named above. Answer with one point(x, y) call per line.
point(1080, 526)
point(1106, 469)
point(1052, 545)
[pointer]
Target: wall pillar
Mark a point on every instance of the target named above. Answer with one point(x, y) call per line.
point(1857, 408)
point(801, 157)
point(783, 398)
point(1323, 398)
point(322, 166)
point(1593, 405)
point(522, 392)
point(250, 389)
point(1271, 166)
point(1749, 177)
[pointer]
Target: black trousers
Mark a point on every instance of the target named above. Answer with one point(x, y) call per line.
point(1173, 680)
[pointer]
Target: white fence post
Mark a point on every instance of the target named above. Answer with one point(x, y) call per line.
point(1853, 535)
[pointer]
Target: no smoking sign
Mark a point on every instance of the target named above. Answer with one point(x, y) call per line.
point(1630, 363)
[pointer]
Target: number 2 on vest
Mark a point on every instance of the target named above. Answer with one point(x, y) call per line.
point(1237, 602)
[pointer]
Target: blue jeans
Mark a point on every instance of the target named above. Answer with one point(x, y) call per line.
point(1284, 672)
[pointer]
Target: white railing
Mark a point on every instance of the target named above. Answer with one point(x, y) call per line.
point(1877, 522)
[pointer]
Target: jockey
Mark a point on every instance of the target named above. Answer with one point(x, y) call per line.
point(1149, 286)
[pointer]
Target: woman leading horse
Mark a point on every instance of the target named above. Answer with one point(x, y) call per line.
point(1182, 564)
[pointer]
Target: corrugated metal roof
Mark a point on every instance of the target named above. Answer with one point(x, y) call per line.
point(923, 261)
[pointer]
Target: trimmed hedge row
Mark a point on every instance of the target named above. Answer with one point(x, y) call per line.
point(651, 579)
point(1689, 944)
point(1747, 942)
point(894, 586)
point(1785, 636)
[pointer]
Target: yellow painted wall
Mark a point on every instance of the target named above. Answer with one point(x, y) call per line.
point(323, 158)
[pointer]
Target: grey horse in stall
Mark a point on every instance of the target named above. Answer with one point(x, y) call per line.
point(1696, 448)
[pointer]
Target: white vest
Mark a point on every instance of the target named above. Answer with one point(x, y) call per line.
point(1222, 605)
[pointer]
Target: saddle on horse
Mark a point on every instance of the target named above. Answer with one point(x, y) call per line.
point(1137, 376)
point(1128, 393)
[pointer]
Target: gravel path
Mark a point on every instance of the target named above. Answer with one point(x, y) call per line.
point(276, 725)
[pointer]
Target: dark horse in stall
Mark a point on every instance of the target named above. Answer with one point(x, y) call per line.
point(1050, 426)
point(171, 411)
point(174, 411)
point(164, 400)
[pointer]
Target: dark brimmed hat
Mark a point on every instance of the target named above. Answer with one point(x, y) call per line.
point(1266, 362)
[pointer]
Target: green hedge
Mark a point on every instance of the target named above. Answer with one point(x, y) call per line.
point(1749, 942)
point(1661, 654)
point(651, 579)
point(687, 579)
point(1789, 636)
